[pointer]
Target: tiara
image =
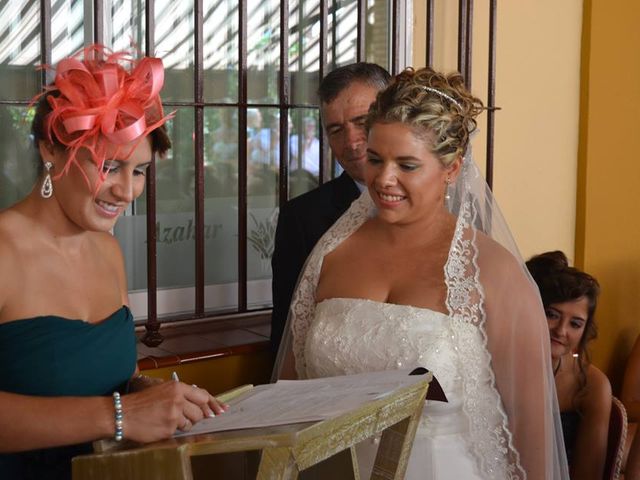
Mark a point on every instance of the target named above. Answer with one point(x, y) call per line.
point(443, 95)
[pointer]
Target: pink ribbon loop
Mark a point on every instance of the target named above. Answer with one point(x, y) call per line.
point(104, 97)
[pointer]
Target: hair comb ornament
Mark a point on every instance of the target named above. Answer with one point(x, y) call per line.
point(443, 95)
point(100, 97)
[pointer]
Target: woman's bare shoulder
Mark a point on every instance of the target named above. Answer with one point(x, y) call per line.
point(105, 239)
point(597, 380)
point(107, 244)
point(503, 276)
point(495, 258)
point(354, 242)
point(596, 394)
point(10, 219)
point(13, 232)
point(14, 229)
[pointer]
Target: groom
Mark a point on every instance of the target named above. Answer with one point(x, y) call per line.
point(345, 96)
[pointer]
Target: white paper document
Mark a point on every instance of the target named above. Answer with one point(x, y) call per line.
point(297, 401)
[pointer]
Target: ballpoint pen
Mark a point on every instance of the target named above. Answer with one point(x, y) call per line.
point(174, 377)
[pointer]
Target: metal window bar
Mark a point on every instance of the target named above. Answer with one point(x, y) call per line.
point(429, 33)
point(301, 53)
point(465, 32)
point(45, 37)
point(98, 16)
point(464, 41)
point(465, 35)
point(395, 37)
point(334, 36)
point(360, 38)
point(491, 90)
point(324, 17)
point(199, 158)
point(283, 96)
point(152, 336)
point(468, 29)
point(242, 156)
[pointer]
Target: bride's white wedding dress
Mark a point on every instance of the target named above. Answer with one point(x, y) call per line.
point(351, 336)
point(490, 353)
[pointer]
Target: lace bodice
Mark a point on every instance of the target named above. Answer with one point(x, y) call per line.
point(341, 336)
point(355, 335)
point(351, 336)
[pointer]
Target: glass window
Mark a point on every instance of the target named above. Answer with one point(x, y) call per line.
point(175, 225)
point(304, 161)
point(174, 35)
point(263, 162)
point(125, 25)
point(221, 208)
point(220, 50)
point(304, 50)
point(343, 28)
point(242, 188)
point(377, 32)
point(67, 28)
point(18, 161)
point(19, 49)
point(263, 50)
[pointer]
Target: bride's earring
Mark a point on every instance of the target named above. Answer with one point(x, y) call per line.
point(46, 190)
point(447, 197)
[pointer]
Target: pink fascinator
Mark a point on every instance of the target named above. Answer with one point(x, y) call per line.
point(101, 97)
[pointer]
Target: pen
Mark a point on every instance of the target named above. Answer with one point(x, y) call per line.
point(174, 377)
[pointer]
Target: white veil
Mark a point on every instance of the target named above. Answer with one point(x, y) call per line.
point(512, 320)
point(488, 286)
point(490, 290)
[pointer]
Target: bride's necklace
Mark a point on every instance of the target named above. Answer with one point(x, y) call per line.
point(555, 370)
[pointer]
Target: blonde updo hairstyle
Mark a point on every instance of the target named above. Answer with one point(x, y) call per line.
point(445, 125)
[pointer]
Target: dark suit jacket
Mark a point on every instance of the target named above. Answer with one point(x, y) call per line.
point(301, 223)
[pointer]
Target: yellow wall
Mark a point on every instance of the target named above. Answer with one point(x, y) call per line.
point(567, 173)
point(608, 227)
point(537, 87)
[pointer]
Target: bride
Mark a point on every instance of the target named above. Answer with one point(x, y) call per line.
point(422, 271)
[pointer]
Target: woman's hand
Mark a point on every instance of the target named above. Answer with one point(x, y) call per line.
point(140, 382)
point(155, 413)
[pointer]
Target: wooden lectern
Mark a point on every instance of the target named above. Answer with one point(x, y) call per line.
point(287, 450)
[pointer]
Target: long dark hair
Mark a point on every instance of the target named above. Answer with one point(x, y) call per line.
point(558, 283)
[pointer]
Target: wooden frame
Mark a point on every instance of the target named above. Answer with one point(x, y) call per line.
point(287, 450)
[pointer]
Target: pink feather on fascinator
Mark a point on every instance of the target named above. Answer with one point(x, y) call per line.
point(103, 97)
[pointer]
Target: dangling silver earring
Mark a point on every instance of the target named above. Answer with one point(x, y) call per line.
point(447, 197)
point(46, 190)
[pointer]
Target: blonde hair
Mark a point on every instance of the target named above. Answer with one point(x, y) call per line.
point(438, 107)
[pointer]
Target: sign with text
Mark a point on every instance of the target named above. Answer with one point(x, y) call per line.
point(175, 243)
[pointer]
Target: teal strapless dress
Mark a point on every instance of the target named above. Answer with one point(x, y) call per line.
point(54, 356)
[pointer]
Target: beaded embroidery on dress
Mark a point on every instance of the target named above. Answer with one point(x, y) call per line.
point(491, 443)
point(350, 335)
point(496, 323)
point(488, 437)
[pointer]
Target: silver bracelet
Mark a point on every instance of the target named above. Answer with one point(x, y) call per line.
point(117, 405)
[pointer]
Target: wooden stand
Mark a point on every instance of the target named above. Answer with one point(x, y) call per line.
point(287, 450)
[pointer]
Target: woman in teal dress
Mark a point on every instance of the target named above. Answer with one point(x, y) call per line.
point(67, 344)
